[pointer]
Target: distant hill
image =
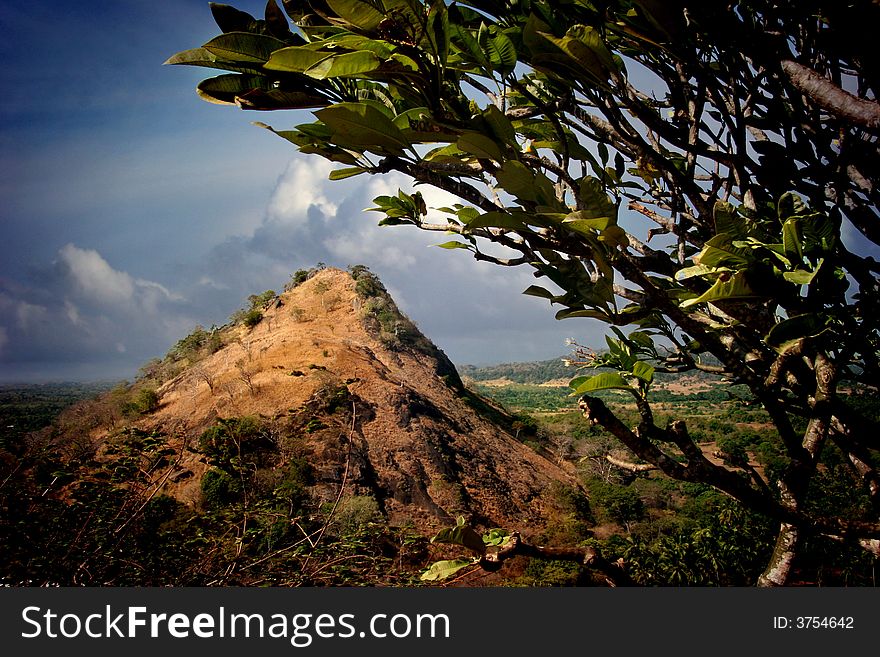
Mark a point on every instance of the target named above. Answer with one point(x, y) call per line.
point(531, 372)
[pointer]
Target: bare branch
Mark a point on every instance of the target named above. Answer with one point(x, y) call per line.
point(632, 467)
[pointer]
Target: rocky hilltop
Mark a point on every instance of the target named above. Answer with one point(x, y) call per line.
point(348, 384)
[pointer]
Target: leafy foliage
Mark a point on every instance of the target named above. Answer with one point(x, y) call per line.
point(252, 314)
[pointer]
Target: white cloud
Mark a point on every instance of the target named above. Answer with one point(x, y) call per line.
point(72, 313)
point(94, 277)
point(207, 281)
point(4, 338)
point(370, 244)
point(299, 188)
point(149, 295)
point(29, 314)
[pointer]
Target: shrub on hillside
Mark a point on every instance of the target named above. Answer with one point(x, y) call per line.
point(252, 318)
point(219, 489)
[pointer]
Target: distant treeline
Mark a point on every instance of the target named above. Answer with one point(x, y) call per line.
point(534, 372)
point(28, 407)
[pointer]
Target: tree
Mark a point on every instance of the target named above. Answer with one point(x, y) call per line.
point(742, 138)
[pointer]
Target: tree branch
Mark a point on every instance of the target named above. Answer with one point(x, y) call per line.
point(832, 98)
point(589, 557)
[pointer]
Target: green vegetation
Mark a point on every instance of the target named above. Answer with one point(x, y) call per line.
point(297, 278)
point(382, 316)
point(672, 533)
point(531, 397)
point(99, 515)
point(252, 314)
point(260, 486)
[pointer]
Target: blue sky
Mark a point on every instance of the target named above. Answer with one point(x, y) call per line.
point(130, 210)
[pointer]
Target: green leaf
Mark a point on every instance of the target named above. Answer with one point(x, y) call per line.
point(642, 339)
point(466, 214)
point(515, 178)
point(464, 41)
point(728, 220)
point(644, 371)
point(791, 238)
point(604, 381)
point(698, 270)
point(480, 146)
point(496, 220)
point(358, 14)
point(462, 534)
point(730, 288)
point(585, 51)
point(794, 328)
point(790, 205)
point(341, 174)
point(350, 41)
point(202, 57)
point(496, 537)
point(362, 124)
point(230, 19)
point(346, 65)
point(720, 252)
point(295, 59)
point(595, 202)
point(587, 224)
point(592, 39)
point(501, 126)
point(445, 569)
point(454, 245)
point(501, 51)
point(244, 47)
point(538, 291)
point(438, 30)
point(276, 21)
point(800, 276)
point(419, 126)
point(223, 89)
point(567, 313)
point(273, 99)
point(614, 236)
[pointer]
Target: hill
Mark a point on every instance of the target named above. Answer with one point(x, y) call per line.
point(319, 412)
point(323, 352)
point(527, 372)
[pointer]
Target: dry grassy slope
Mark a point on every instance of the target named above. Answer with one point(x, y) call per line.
point(415, 444)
